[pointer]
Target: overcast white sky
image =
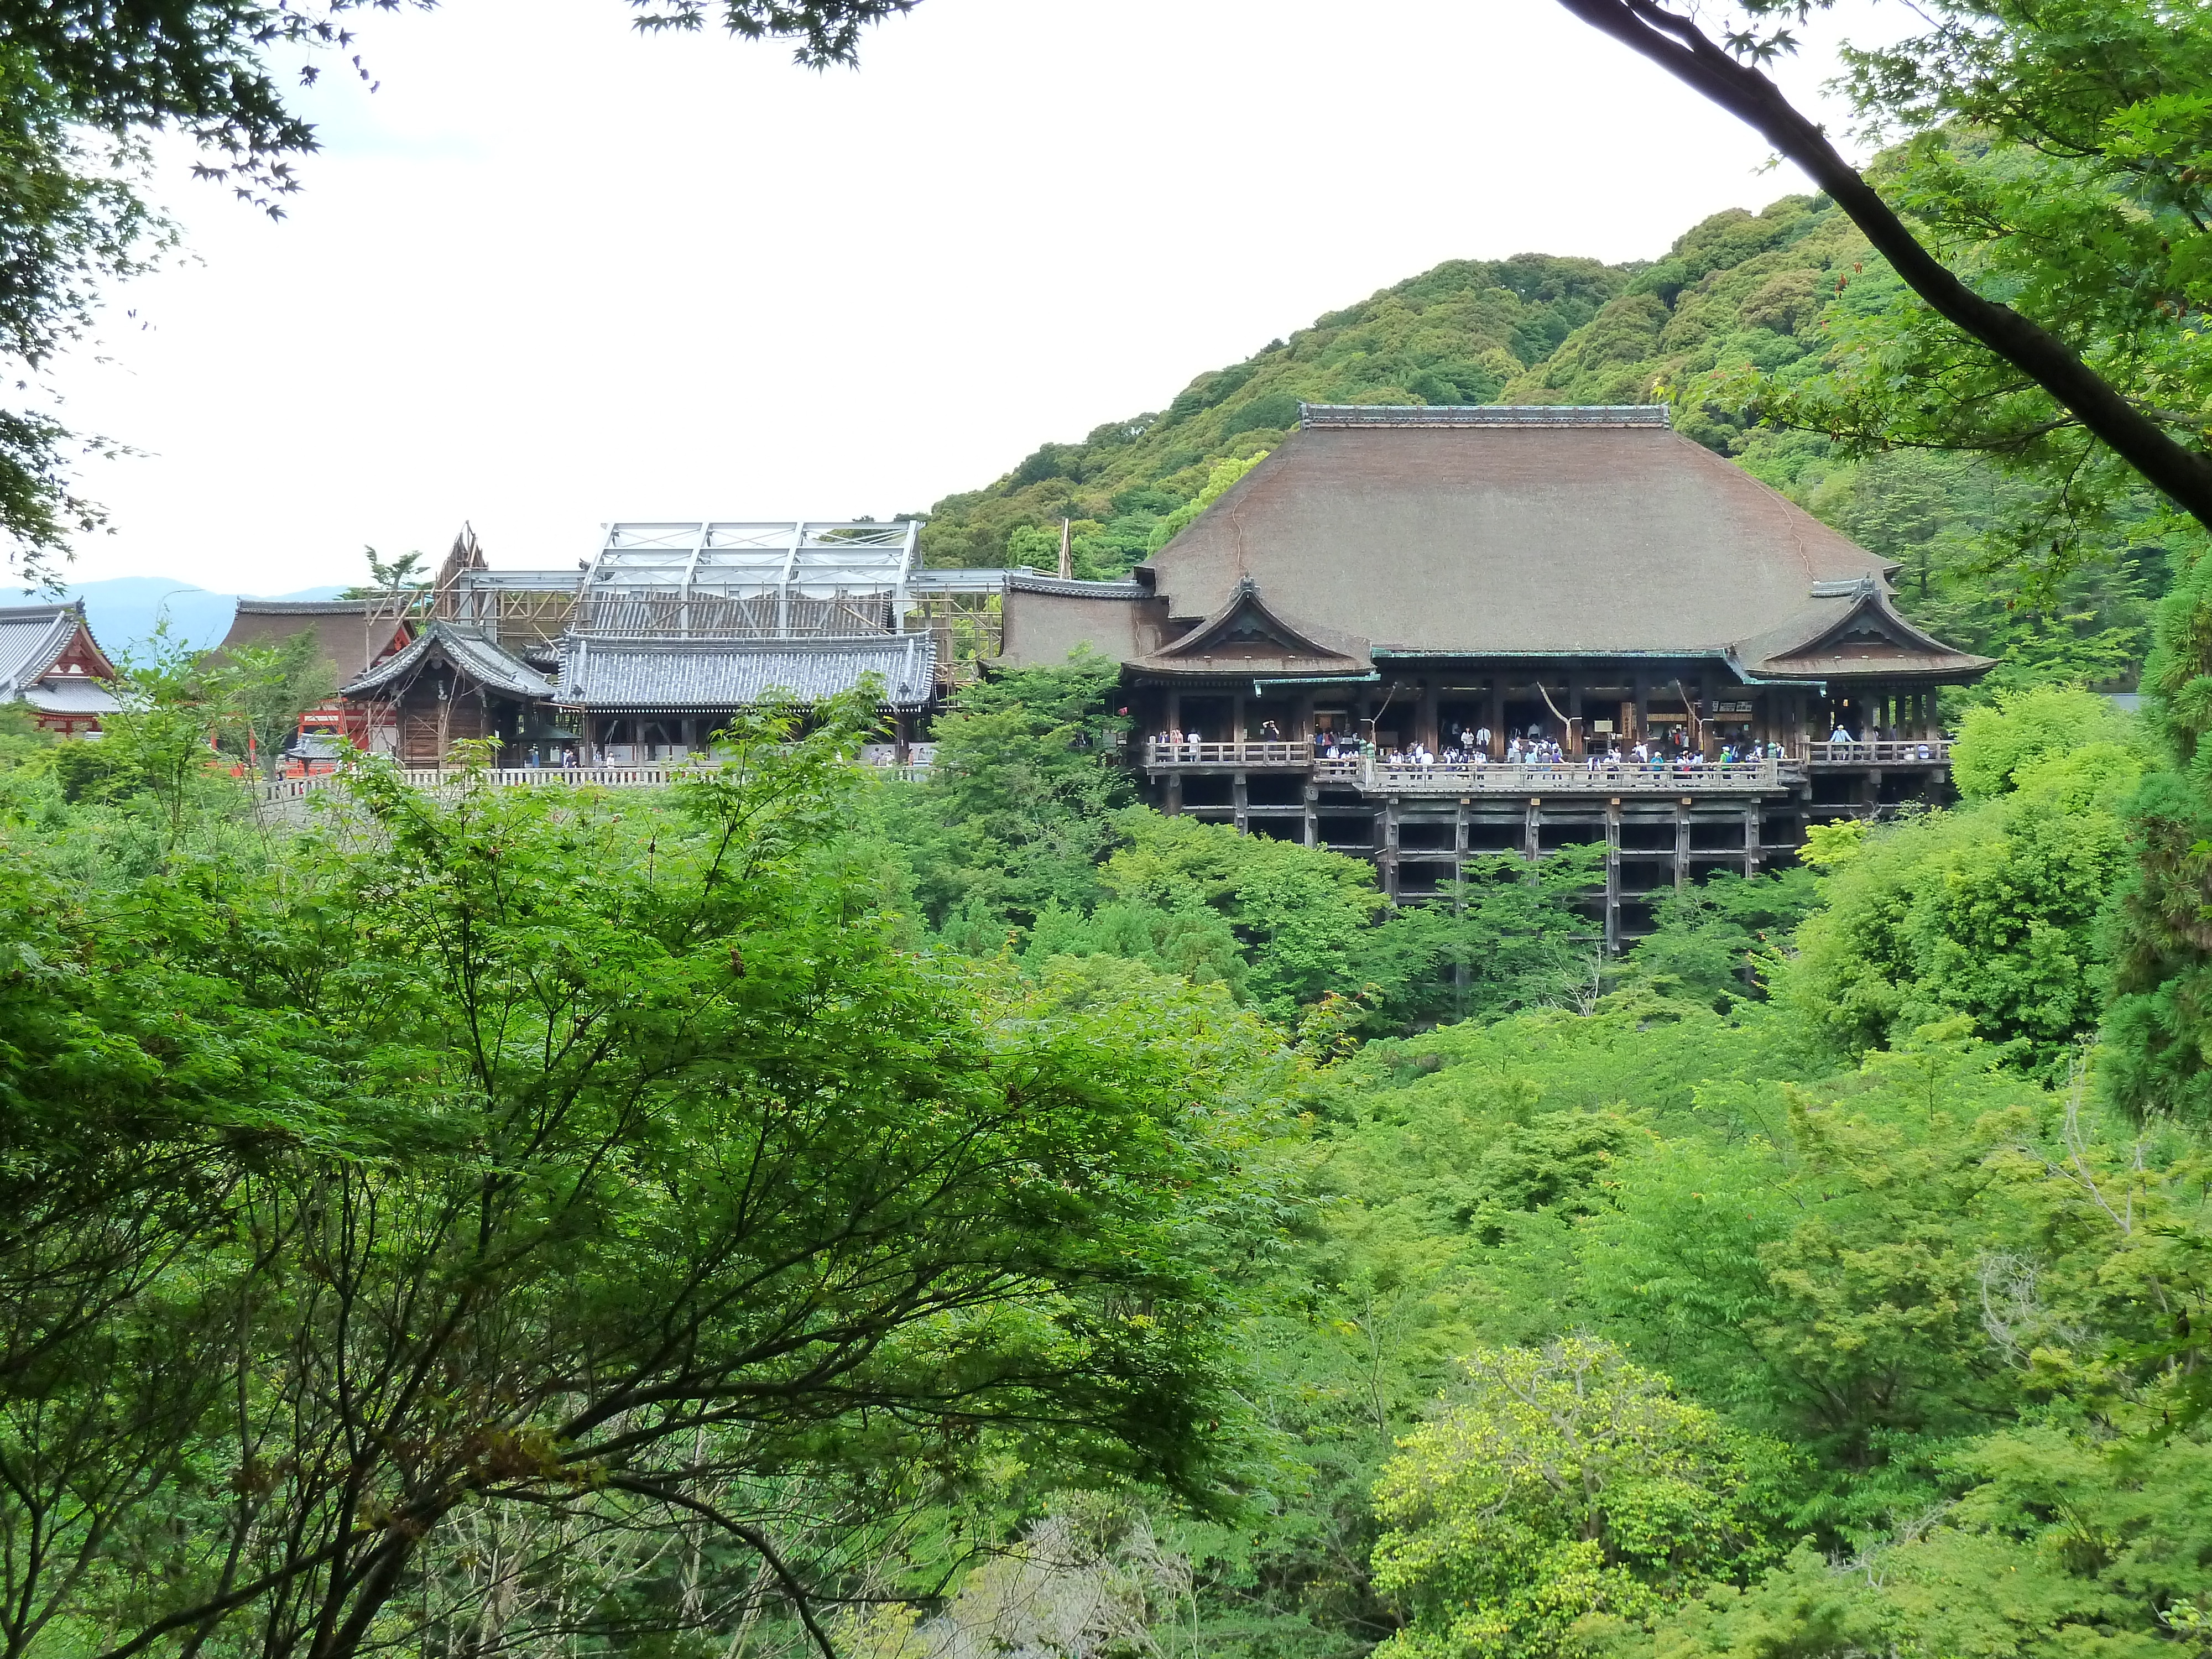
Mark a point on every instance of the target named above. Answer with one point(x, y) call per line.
point(553, 273)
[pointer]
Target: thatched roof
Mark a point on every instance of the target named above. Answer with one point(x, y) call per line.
point(347, 640)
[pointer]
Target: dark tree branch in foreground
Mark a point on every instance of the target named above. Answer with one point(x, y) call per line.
point(1677, 46)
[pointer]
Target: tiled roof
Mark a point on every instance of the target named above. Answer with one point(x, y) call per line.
point(71, 694)
point(31, 637)
point(1022, 582)
point(1554, 414)
point(303, 607)
point(726, 674)
point(476, 656)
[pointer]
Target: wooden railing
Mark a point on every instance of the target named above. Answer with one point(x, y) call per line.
point(543, 777)
point(1160, 752)
point(1886, 751)
point(1372, 776)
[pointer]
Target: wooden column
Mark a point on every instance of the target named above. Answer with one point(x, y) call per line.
point(1173, 804)
point(1459, 839)
point(1681, 844)
point(1532, 846)
point(1643, 705)
point(1175, 709)
point(1495, 720)
point(1425, 727)
point(1577, 727)
point(1708, 744)
point(1304, 717)
point(1612, 877)
point(1750, 839)
point(1311, 796)
point(1238, 715)
point(1240, 797)
point(1387, 843)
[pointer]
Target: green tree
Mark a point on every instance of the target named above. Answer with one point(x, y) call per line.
point(2162, 1005)
point(698, 1188)
point(1991, 909)
point(1018, 811)
point(1562, 1489)
point(262, 690)
point(2045, 214)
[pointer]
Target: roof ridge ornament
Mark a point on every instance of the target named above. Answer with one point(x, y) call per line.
point(1844, 587)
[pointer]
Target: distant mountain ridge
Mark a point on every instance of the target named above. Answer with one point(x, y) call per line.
point(1539, 329)
point(124, 610)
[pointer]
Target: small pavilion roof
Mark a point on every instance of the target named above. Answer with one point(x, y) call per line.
point(1248, 635)
point(473, 654)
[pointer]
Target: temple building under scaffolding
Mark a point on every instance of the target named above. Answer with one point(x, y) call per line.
point(1391, 578)
point(640, 654)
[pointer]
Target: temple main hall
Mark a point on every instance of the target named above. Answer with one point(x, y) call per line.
point(1657, 651)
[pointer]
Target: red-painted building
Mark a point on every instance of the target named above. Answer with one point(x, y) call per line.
point(50, 662)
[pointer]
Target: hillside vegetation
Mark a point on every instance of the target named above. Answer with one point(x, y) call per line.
point(1741, 291)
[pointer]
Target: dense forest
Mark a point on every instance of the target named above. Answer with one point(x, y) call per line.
point(808, 1209)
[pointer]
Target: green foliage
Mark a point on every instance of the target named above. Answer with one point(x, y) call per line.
point(1561, 1487)
point(262, 690)
point(1018, 811)
point(1990, 910)
point(1300, 913)
point(2000, 745)
point(1456, 334)
point(1218, 482)
point(707, 1200)
point(2162, 1005)
point(2049, 156)
point(1721, 940)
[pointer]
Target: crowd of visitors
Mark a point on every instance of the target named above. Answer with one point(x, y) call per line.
point(1471, 747)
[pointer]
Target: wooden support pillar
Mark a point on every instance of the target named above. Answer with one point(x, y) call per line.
point(1238, 715)
point(1173, 804)
point(1311, 796)
point(1612, 877)
point(1495, 720)
point(1460, 976)
point(1175, 709)
point(1708, 739)
point(1750, 839)
point(1643, 705)
point(1304, 729)
point(1387, 840)
point(1681, 843)
point(1532, 846)
point(1240, 797)
point(1425, 726)
point(1577, 727)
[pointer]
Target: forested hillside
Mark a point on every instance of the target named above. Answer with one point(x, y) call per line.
point(806, 1208)
point(1768, 291)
